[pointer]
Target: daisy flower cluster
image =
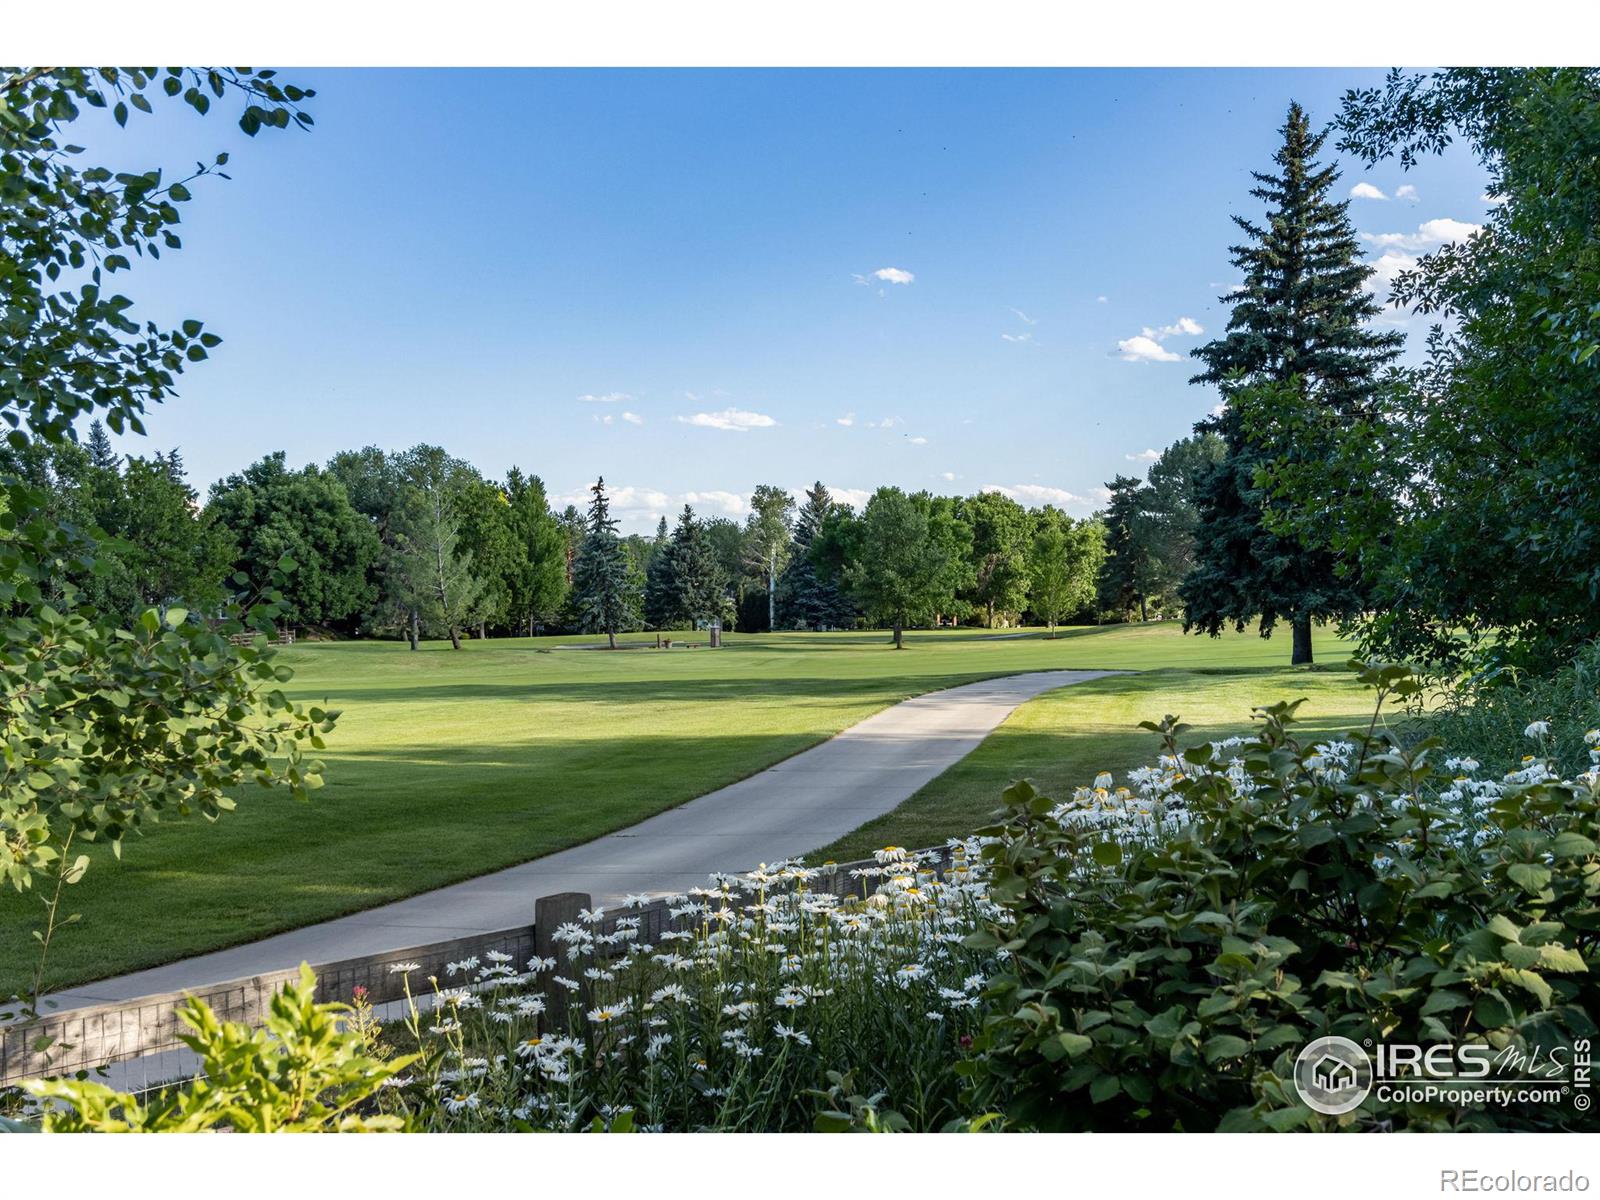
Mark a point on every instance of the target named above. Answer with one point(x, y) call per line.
point(723, 1007)
point(1149, 807)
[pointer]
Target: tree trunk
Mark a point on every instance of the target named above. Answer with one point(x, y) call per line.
point(611, 637)
point(455, 638)
point(530, 624)
point(899, 635)
point(413, 629)
point(991, 614)
point(482, 626)
point(1302, 641)
point(1142, 616)
point(772, 590)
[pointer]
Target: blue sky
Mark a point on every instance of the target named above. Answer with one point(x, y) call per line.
point(697, 281)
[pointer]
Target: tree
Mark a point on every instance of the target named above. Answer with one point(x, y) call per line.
point(107, 727)
point(489, 540)
point(268, 511)
point(539, 585)
point(1000, 533)
point(1166, 522)
point(809, 595)
point(434, 576)
point(1297, 329)
point(687, 584)
point(101, 454)
point(603, 588)
point(767, 540)
point(1127, 575)
point(1064, 559)
point(1467, 492)
point(904, 571)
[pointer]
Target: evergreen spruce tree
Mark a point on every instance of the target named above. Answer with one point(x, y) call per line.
point(602, 589)
point(687, 584)
point(661, 608)
point(1297, 339)
point(1125, 576)
point(101, 454)
point(808, 597)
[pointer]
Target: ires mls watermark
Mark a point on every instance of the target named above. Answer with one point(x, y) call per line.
point(1335, 1075)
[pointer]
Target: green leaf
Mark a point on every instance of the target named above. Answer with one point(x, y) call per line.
point(1532, 878)
point(1074, 1044)
point(1108, 853)
point(1224, 1045)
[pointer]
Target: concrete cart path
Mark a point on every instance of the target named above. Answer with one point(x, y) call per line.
point(787, 810)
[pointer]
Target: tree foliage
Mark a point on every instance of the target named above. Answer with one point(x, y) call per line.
point(268, 511)
point(105, 726)
point(1065, 558)
point(603, 587)
point(1297, 326)
point(1467, 490)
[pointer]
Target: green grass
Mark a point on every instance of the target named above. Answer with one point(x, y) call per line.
point(1062, 739)
point(450, 764)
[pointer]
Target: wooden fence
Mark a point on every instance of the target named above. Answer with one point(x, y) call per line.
point(147, 1028)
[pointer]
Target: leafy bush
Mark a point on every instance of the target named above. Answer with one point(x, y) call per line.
point(771, 1006)
point(1170, 948)
point(1485, 716)
point(302, 1073)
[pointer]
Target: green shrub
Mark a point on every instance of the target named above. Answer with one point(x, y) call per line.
point(1170, 949)
point(1485, 716)
point(301, 1073)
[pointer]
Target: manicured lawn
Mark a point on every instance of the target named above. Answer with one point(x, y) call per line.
point(450, 764)
point(1063, 739)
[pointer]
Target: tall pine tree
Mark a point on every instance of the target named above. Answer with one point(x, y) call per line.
point(687, 584)
point(1125, 575)
point(1297, 336)
point(601, 587)
point(809, 596)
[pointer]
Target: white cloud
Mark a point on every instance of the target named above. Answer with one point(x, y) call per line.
point(1035, 493)
point(856, 498)
point(1429, 233)
point(736, 420)
point(605, 397)
point(1144, 349)
point(732, 504)
point(1143, 456)
point(1016, 337)
point(1187, 326)
point(886, 423)
point(638, 509)
point(1102, 300)
point(1024, 317)
point(1389, 265)
point(948, 476)
point(1406, 192)
point(1365, 191)
point(893, 275)
point(919, 441)
point(847, 420)
point(1147, 347)
point(633, 418)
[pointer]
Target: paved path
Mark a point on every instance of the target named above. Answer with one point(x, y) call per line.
point(789, 809)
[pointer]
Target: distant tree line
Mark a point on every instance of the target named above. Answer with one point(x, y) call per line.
point(420, 544)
